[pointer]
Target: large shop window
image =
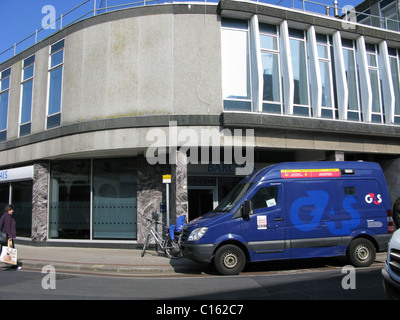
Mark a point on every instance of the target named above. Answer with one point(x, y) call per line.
point(114, 199)
point(93, 199)
point(69, 216)
point(21, 198)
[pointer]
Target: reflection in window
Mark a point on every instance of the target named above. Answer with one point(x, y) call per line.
point(349, 56)
point(265, 197)
point(69, 216)
point(271, 68)
point(372, 58)
point(394, 68)
point(325, 67)
point(4, 96)
point(299, 63)
point(55, 84)
point(26, 99)
point(235, 65)
point(114, 199)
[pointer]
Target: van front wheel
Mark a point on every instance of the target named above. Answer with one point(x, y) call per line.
point(229, 260)
point(361, 252)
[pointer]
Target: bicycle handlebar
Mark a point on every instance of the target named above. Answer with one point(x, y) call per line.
point(153, 220)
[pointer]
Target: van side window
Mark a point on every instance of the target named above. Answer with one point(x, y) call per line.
point(265, 197)
point(350, 191)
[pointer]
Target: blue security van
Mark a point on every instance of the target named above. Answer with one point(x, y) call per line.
point(295, 210)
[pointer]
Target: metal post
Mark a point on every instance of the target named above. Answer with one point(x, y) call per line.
point(167, 203)
point(335, 9)
point(94, 11)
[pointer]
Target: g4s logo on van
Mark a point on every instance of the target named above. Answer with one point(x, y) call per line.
point(319, 201)
point(371, 198)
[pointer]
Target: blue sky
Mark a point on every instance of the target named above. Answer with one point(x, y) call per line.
point(20, 18)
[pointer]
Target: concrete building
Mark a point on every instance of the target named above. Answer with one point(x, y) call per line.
point(92, 117)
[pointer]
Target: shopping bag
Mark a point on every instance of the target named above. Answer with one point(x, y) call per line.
point(8, 255)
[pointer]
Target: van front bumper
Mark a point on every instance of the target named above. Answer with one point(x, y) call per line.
point(202, 253)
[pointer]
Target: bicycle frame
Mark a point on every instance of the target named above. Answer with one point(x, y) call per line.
point(169, 246)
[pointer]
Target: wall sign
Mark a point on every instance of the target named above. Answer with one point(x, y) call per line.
point(16, 174)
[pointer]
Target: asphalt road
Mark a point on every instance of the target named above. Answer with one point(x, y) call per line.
point(305, 283)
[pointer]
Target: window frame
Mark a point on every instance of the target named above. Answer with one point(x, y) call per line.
point(376, 116)
point(327, 61)
point(271, 106)
point(355, 115)
point(237, 103)
point(298, 108)
point(5, 75)
point(54, 119)
point(25, 127)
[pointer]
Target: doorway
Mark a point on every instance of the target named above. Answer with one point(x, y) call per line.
point(201, 201)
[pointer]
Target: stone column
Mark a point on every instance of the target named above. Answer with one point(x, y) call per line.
point(179, 192)
point(40, 189)
point(150, 193)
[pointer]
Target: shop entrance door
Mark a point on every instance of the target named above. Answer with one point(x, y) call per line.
point(201, 201)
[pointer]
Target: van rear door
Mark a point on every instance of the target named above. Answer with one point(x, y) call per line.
point(265, 230)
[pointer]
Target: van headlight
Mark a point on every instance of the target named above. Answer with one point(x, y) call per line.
point(196, 234)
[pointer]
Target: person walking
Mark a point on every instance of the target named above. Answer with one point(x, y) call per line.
point(9, 227)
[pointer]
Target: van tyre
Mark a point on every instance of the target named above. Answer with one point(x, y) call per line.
point(229, 260)
point(361, 252)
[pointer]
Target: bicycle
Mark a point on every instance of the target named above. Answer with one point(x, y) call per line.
point(170, 245)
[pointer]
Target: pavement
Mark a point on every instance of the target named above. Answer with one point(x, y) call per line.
point(111, 261)
point(105, 261)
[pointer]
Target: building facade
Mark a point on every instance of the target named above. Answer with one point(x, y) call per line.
point(92, 117)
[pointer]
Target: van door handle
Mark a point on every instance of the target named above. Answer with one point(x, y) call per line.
point(279, 219)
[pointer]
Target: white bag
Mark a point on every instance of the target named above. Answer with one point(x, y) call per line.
point(8, 255)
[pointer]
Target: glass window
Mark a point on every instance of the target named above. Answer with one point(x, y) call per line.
point(114, 199)
point(394, 68)
point(265, 197)
point(389, 16)
point(300, 75)
point(69, 216)
point(4, 97)
point(372, 59)
point(109, 214)
point(271, 68)
point(352, 82)
point(55, 84)
point(235, 65)
point(325, 67)
point(22, 200)
point(26, 99)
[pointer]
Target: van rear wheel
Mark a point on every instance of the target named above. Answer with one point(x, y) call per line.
point(229, 260)
point(361, 252)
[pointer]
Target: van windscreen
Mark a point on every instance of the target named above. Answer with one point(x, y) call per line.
point(233, 197)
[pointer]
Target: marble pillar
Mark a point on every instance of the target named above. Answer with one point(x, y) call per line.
point(40, 190)
point(179, 187)
point(150, 194)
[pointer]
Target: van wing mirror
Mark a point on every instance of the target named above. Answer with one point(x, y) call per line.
point(247, 209)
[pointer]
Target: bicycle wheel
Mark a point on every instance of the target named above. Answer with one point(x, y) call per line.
point(172, 249)
point(145, 244)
